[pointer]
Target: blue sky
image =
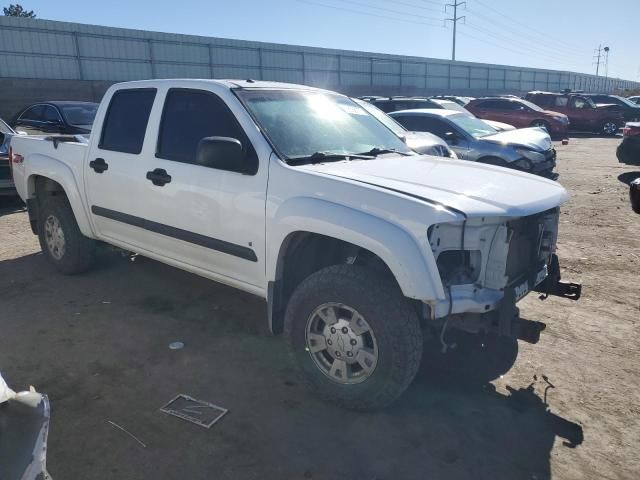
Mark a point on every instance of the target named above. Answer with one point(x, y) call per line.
point(558, 34)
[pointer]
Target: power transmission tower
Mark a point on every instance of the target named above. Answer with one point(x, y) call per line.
point(454, 19)
point(597, 56)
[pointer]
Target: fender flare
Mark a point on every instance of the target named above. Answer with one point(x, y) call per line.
point(413, 269)
point(52, 169)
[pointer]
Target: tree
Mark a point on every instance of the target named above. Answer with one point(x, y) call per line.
point(18, 11)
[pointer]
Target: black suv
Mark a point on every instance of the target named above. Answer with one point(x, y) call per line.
point(630, 110)
point(65, 117)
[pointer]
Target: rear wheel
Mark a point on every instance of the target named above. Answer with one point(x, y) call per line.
point(61, 241)
point(609, 127)
point(354, 336)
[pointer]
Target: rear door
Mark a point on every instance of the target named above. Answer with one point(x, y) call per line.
point(115, 169)
point(209, 218)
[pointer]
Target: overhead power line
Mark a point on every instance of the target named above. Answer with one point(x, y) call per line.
point(561, 41)
point(390, 10)
point(370, 14)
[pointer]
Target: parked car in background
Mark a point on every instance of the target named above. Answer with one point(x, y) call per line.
point(451, 105)
point(64, 117)
point(635, 99)
point(462, 101)
point(634, 195)
point(519, 113)
point(529, 150)
point(583, 113)
point(629, 149)
point(630, 110)
point(6, 181)
point(393, 104)
point(421, 142)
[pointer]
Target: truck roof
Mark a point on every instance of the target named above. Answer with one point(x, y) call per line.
point(227, 83)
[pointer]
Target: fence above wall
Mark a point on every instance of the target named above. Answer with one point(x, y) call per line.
point(44, 49)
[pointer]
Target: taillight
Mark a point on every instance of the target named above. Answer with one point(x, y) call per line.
point(631, 131)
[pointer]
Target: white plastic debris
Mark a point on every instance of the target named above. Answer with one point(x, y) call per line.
point(30, 398)
point(6, 393)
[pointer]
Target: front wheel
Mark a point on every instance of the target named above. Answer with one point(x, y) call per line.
point(354, 336)
point(61, 240)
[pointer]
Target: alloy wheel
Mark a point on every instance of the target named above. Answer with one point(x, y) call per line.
point(341, 343)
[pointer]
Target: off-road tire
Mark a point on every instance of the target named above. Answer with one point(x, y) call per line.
point(80, 251)
point(392, 319)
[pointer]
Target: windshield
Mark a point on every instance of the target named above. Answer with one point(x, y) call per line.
point(80, 113)
point(626, 101)
point(302, 123)
point(473, 126)
point(388, 122)
point(531, 105)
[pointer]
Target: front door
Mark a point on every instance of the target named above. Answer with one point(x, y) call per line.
point(210, 218)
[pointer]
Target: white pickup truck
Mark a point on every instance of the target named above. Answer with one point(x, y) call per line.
point(360, 246)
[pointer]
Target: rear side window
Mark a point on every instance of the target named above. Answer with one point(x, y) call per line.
point(191, 115)
point(51, 114)
point(126, 120)
point(33, 113)
point(561, 101)
point(420, 123)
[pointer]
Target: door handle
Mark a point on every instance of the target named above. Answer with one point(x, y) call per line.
point(159, 177)
point(99, 165)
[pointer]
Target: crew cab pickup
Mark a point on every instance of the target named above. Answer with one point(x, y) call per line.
point(300, 196)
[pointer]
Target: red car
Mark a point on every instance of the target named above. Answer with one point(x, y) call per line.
point(519, 113)
point(583, 113)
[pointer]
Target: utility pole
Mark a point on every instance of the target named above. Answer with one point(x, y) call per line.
point(597, 57)
point(454, 19)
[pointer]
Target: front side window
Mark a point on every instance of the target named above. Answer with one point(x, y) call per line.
point(527, 104)
point(561, 101)
point(126, 121)
point(300, 124)
point(191, 115)
point(422, 123)
point(81, 114)
point(582, 103)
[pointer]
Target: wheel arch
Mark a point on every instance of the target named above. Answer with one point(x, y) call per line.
point(51, 177)
point(328, 240)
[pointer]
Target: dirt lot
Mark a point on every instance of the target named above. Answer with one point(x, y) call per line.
point(97, 344)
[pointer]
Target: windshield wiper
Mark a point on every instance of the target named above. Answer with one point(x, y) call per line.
point(319, 157)
point(375, 151)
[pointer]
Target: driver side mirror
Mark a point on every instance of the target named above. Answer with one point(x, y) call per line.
point(452, 138)
point(224, 153)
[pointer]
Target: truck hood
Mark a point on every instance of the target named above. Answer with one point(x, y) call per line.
point(533, 138)
point(471, 188)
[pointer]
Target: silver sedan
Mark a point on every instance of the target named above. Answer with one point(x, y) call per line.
point(527, 149)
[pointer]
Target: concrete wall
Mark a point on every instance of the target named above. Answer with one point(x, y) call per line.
point(16, 93)
point(74, 60)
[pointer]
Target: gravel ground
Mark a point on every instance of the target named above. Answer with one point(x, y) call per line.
point(97, 344)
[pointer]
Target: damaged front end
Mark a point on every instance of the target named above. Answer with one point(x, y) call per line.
point(488, 264)
point(24, 429)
